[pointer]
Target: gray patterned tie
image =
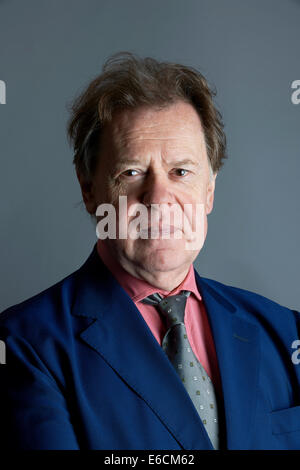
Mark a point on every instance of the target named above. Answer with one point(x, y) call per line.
point(179, 351)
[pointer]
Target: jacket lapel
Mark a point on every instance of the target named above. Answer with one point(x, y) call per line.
point(238, 352)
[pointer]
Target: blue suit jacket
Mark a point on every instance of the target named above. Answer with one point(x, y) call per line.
point(83, 371)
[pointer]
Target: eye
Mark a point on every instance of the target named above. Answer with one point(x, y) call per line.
point(181, 171)
point(129, 172)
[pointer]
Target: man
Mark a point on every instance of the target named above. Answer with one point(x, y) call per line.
point(135, 350)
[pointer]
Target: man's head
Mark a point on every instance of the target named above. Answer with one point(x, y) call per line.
point(148, 131)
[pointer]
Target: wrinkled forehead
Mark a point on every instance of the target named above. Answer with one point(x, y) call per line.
point(176, 127)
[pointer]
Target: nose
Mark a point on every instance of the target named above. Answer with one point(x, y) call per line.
point(157, 190)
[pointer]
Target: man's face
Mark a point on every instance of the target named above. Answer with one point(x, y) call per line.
point(153, 157)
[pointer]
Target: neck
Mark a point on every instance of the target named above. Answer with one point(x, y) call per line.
point(165, 280)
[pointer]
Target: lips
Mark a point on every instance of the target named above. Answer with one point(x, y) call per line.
point(159, 230)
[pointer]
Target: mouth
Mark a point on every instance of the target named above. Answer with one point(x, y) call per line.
point(154, 231)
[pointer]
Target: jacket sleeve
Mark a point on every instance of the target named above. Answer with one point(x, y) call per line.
point(33, 409)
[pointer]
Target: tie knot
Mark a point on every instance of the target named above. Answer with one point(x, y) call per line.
point(172, 308)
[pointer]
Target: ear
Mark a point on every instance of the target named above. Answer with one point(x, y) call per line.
point(210, 192)
point(87, 193)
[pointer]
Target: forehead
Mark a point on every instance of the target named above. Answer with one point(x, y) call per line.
point(177, 125)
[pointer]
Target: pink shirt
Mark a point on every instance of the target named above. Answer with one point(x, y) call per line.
point(195, 319)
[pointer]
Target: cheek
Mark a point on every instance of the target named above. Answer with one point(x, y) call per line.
point(107, 193)
point(193, 205)
point(192, 191)
point(189, 201)
point(123, 205)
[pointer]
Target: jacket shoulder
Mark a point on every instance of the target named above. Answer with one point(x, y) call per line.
point(253, 304)
point(41, 309)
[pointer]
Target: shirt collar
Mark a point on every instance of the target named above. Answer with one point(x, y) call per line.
point(138, 289)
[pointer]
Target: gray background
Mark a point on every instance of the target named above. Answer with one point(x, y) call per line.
point(248, 49)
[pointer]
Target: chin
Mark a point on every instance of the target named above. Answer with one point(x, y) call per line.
point(160, 255)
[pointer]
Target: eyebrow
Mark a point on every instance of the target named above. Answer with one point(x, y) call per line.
point(127, 162)
point(177, 163)
point(186, 161)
